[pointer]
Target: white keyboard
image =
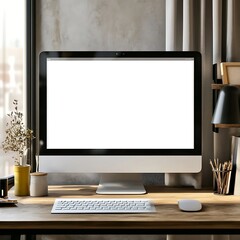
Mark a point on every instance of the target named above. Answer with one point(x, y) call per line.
point(106, 205)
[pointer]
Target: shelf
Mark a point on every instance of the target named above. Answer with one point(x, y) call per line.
point(227, 125)
point(216, 86)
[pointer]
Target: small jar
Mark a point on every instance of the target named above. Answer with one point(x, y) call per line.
point(38, 184)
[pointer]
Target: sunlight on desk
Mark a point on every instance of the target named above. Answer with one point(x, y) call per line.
point(219, 213)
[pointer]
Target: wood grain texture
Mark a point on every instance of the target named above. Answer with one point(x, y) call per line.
point(217, 86)
point(219, 212)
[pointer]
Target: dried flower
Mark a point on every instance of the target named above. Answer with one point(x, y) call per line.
point(18, 137)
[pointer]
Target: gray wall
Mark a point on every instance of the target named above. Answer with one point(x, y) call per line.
point(100, 24)
point(106, 25)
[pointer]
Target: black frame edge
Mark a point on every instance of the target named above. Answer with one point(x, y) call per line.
point(31, 72)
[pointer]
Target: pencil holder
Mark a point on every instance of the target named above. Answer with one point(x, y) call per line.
point(221, 181)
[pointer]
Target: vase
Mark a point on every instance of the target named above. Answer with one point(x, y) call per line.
point(21, 180)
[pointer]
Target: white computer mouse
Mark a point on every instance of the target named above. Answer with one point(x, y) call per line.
point(189, 205)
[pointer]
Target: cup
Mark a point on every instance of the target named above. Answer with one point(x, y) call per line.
point(221, 181)
point(38, 184)
point(3, 187)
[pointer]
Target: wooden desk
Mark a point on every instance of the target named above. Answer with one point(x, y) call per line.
point(220, 214)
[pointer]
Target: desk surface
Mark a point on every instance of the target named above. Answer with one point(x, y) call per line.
point(219, 213)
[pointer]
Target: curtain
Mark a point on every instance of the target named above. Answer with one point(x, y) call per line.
point(213, 28)
point(12, 68)
point(189, 27)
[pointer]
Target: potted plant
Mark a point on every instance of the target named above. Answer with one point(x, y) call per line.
point(18, 139)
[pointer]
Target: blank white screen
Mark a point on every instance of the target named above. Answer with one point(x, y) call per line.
point(120, 104)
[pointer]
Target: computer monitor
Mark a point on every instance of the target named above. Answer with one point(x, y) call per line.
point(119, 113)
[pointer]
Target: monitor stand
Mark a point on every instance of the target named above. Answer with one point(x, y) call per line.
point(121, 183)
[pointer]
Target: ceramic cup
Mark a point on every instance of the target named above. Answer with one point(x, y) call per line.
point(38, 184)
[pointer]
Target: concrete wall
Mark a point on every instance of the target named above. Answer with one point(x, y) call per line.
point(100, 24)
point(110, 25)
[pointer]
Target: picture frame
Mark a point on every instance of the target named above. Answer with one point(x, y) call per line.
point(230, 72)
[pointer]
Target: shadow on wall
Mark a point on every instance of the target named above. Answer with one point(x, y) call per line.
point(93, 178)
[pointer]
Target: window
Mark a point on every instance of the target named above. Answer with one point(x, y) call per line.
point(12, 67)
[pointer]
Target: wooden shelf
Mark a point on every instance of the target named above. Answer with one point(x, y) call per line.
point(216, 86)
point(227, 125)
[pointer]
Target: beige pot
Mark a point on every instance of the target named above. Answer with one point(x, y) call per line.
point(21, 180)
point(38, 184)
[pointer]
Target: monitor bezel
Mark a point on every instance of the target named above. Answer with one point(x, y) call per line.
point(44, 56)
